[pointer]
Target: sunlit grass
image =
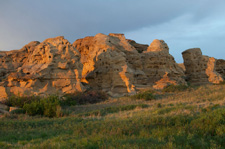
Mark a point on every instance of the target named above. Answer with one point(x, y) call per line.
point(194, 118)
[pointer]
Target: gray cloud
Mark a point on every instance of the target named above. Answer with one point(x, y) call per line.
point(178, 22)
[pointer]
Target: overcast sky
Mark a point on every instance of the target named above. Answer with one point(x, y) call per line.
point(182, 24)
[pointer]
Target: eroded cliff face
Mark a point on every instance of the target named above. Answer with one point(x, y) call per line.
point(201, 69)
point(50, 67)
point(160, 67)
point(105, 62)
point(112, 64)
point(220, 67)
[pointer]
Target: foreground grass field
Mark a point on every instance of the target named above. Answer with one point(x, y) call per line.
point(194, 118)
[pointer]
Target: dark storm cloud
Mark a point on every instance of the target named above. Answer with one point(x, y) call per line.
point(22, 21)
point(44, 18)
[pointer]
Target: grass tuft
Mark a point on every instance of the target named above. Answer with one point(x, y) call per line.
point(146, 95)
point(175, 88)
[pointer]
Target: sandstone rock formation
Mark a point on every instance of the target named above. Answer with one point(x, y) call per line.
point(50, 67)
point(139, 47)
point(181, 65)
point(160, 67)
point(11, 60)
point(112, 64)
point(200, 69)
point(220, 67)
point(105, 62)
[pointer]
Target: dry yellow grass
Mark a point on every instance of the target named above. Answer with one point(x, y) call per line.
point(186, 102)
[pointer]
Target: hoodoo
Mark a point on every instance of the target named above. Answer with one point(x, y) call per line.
point(200, 69)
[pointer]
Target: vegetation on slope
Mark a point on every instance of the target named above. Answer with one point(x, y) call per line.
point(193, 118)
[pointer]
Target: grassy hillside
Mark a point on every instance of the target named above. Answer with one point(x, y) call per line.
point(193, 118)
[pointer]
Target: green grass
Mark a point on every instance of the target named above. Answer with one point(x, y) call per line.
point(175, 88)
point(187, 119)
point(146, 95)
point(110, 110)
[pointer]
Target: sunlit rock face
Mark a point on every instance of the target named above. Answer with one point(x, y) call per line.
point(106, 63)
point(157, 46)
point(50, 67)
point(160, 67)
point(112, 64)
point(201, 69)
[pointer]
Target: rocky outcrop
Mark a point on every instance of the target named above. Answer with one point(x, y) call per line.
point(50, 67)
point(112, 64)
point(220, 67)
point(160, 67)
point(200, 69)
point(10, 61)
point(106, 64)
point(181, 65)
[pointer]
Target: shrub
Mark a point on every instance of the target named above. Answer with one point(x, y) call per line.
point(34, 108)
point(159, 105)
point(49, 106)
point(221, 83)
point(147, 95)
point(19, 101)
point(175, 88)
point(18, 111)
point(91, 97)
point(69, 99)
